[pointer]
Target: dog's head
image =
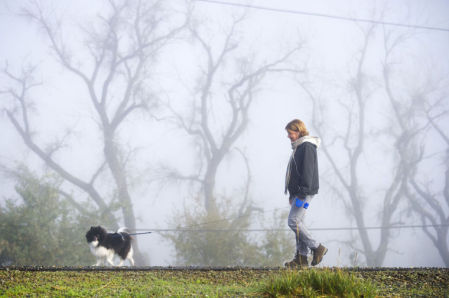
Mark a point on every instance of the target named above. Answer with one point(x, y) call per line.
point(95, 234)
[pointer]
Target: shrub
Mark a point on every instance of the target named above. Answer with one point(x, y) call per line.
point(40, 228)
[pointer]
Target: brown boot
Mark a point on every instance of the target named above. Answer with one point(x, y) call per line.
point(299, 261)
point(293, 263)
point(318, 254)
point(303, 261)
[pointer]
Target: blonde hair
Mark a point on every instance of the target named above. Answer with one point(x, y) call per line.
point(298, 126)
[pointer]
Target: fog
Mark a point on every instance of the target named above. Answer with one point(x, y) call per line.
point(325, 64)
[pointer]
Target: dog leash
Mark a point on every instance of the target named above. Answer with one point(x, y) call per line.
point(140, 233)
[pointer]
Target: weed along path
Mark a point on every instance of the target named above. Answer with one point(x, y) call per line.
point(233, 281)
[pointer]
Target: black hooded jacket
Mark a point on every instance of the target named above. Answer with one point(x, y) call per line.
point(304, 171)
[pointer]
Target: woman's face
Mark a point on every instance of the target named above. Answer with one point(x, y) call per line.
point(292, 135)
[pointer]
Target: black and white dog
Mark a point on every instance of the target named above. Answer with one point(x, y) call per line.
point(104, 246)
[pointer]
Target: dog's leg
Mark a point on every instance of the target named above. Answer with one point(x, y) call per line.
point(120, 263)
point(130, 256)
point(110, 260)
point(131, 260)
point(110, 257)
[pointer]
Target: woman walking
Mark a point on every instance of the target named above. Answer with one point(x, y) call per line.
point(302, 183)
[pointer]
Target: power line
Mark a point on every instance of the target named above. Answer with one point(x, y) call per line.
point(280, 10)
point(191, 228)
point(280, 230)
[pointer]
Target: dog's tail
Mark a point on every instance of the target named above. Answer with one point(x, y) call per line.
point(124, 231)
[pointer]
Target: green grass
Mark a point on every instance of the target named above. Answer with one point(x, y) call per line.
point(121, 284)
point(316, 282)
point(313, 283)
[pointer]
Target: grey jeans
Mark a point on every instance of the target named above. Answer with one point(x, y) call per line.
point(304, 240)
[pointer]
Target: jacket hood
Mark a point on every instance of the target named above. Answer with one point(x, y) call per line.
point(314, 140)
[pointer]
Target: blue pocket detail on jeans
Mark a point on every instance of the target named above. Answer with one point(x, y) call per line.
point(299, 202)
point(306, 205)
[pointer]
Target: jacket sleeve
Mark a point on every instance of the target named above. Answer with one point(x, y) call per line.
point(307, 169)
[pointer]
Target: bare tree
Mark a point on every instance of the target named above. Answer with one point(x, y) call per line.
point(349, 145)
point(121, 49)
point(435, 217)
point(419, 115)
point(214, 141)
point(424, 200)
point(405, 131)
point(227, 87)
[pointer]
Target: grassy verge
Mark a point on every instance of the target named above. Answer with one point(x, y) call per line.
point(126, 283)
point(313, 283)
point(210, 283)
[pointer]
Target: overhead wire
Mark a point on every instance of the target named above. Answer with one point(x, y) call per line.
point(315, 14)
point(281, 230)
point(191, 228)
